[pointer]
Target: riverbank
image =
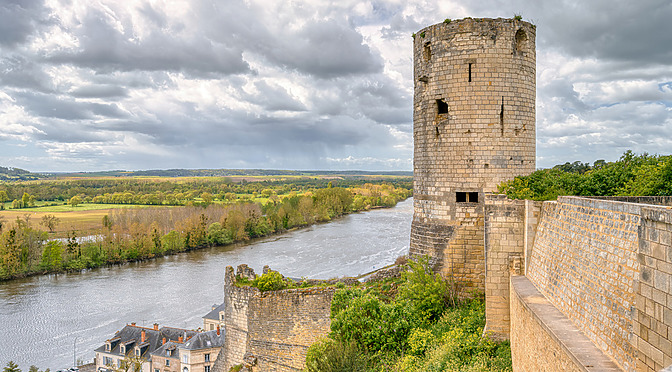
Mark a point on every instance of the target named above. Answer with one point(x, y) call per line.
point(132, 235)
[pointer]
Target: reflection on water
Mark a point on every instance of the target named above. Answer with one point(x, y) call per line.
point(46, 320)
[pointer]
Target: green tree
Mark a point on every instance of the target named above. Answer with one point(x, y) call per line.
point(11, 367)
point(3, 199)
point(75, 200)
point(25, 199)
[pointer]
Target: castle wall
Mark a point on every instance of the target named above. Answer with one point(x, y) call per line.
point(275, 328)
point(473, 127)
point(285, 323)
point(584, 261)
point(543, 339)
point(510, 227)
point(653, 299)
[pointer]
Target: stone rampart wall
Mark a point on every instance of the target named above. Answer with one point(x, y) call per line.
point(584, 261)
point(543, 339)
point(653, 322)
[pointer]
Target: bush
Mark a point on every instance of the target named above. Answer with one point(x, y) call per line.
point(371, 324)
point(425, 291)
point(271, 281)
point(328, 355)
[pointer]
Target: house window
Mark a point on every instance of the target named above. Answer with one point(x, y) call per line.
point(108, 361)
point(156, 370)
point(207, 368)
point(167, 362)
point(207, 357)
point(185, 369)
point(169, 352)
point(119, 363)
point(122, 349)
point(185, 358)
point(137, 352)
point(107, 347)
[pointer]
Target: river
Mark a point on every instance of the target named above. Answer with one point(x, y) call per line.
point(48, 321)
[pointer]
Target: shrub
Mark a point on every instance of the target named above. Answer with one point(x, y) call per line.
point(271, 281)
point(371, 324)
point(328, 355)
point(425, 291)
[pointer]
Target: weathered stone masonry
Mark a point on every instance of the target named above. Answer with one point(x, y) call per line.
point(275, 328)
point(473, 127)
point(606, 267)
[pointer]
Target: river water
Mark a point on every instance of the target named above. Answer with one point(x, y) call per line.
point(50, 320)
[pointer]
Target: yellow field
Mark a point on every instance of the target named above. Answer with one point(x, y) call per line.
point(84, 219)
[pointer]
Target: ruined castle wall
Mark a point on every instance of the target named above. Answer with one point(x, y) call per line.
point(285, 323)
point(653, 301)
point(584, 261)
point(275, 328)
point(236, 320)
point(473, 127)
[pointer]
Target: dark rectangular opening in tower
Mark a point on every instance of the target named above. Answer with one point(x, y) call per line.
point(470, 72)
point(441, 106)
point(466, 197)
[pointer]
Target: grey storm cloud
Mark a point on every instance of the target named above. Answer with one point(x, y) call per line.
point(622, 31)
point(50, 106)
point(19, 72)
point(105, 48)
point(19, 19)
point(99, 91)
point(324, 49)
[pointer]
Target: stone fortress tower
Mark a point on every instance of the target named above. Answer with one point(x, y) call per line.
point(474, 127)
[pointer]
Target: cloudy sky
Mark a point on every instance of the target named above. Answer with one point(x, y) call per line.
point(303, 84)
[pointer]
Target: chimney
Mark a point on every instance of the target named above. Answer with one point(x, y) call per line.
point(217, 330)
point(156, 326)
point(179, 339)
point(133, 324)
point(143, 336)
point(164, 341)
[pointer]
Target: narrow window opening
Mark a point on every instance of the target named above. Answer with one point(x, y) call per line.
point(427, 51)
point(441, 106)
point(521, 40)
point(461, 197)
point(487, 166)
point(437, 131)
point(470, 72)
point(501, 117)
point(466, 197)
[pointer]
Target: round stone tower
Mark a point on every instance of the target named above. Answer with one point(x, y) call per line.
point(473, 127)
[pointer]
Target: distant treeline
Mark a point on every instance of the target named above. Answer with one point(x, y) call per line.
point(631, 175)
point(227, 173)
point(166, 192)
point(17, 174)
point(143, 233)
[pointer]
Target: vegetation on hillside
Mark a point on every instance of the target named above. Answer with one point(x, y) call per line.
point(631, 175)
point(415, 323)
point(17, 174)
point(142, 233)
